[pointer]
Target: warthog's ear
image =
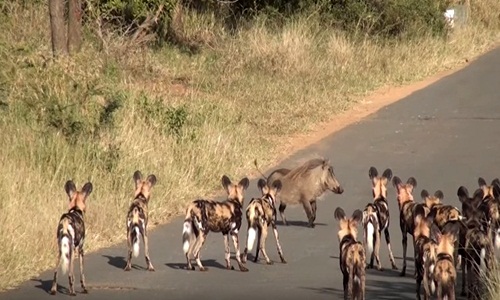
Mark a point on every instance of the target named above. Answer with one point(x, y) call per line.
point(439, 194)
point(424, 194)
point(397, 183)
point(226, 182)
point(151, 179)
point(481, 182)
point(137, 177)
point(463, 194)
point(339, 214)
point(412, 182)
point(387, 174)
point(70, 188)
point(87, 189)
point(277, 185)
point(356, 217)
point(244, 183)
point(326, 164)
point(372, 172)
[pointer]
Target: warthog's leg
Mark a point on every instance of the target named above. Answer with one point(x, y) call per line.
point(309, 213)
point(282, 213)
point(314, 206)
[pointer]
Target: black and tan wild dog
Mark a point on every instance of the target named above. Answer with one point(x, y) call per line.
point(261, 213)
point(491, 207)
point(203, 216)
point(380, 207)
point(407, 207)
point(441, 213)
point(71, 235)
point(352, 254)
point(137, 219)
point(445, 273)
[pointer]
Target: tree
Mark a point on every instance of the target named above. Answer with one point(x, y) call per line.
point(74, 25)
point(63, 44)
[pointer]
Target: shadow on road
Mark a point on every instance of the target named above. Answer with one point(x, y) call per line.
point(120, 262)
point(209, 263)
point(46, 285)
point(326, 290)
point(299, 223)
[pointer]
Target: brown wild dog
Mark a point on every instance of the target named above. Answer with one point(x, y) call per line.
point(137, 219)
point(477, 245)
point(441, 213)
point(407, 207)
point(381, 207)
point(445, 274)
point(491, 207)
point(304, 185)
point(352, 254)
point(425, 252)
point(260, 215)
point(71, 236)
point(203, 216)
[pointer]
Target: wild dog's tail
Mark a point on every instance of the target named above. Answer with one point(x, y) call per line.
point(65, 245)
point(370, 234)
point(356, 269)
point(253, 216)
point(189, 229)
point(258, 170)
point(135, 232)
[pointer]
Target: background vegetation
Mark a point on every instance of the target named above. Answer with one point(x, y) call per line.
point(188, 92)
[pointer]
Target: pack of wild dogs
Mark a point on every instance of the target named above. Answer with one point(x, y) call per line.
point(444, 236)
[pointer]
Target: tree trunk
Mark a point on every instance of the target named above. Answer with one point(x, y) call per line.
point(74, 25)
point(56, 11)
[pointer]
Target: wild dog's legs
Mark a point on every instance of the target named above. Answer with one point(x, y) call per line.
point(129, 254)
point(53, 290)
point(244, 255)
point(314, 206)
point(350, 285)
point(405, 246)
point(263, 245)
point(464, 265)
point(388, 240)
point(376, 252)
point(308, 209)
point(276, 236)
point(82, 275)
point(191, 249)
point(227, 251)
point(71, 275)
point(236, 242)
point(345, 283)
point(257, 247)
point(197, 249)
point(282, 208)
point(146, 251)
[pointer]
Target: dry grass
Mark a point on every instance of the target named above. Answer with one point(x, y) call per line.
point(235, 101)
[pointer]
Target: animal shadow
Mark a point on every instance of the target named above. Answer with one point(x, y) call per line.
point(325, 290)
point(209, 263)
point(120, 262)
point(46, 285)
point(300, 223)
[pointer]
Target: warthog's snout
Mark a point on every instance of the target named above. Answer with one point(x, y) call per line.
point(338, 190)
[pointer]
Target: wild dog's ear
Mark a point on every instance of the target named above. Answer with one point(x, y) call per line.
point(372, 173)
point(70, 188)
point(137, 177)
point(339, 214)
point(244, 183)
point(226, 182)
point(262, 184)
point(356, 217)
point(424, 194)
point(439, 194)
point(419, 212)
point(87, 189)
point(397, 183)
point(481, 182)
point(387, 175)
point(277, 185)
point(496, 189)
point(452, 228)
point(495, 181)
point(479, 194)
point(412, 182)
point(151, 179)
point(463, 194)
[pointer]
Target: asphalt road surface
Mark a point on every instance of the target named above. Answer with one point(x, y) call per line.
point(445, 135)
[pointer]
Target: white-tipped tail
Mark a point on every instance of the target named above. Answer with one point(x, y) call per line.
point(65, 254)
point(186, 233)
point(497, 239)
point(251, 238)
point(369, 238)
point(483, 262)
point(135, 248)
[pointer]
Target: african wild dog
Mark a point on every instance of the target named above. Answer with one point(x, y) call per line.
point(304, 185)
point(71, 235)
point(203, 216)
point(260, 215)
point(491, 207)
point(476, 243)
point(352, 254)
point(381, 207)
point(137, 219)
point(407, 207)
point(441, 213)
point(445, 274)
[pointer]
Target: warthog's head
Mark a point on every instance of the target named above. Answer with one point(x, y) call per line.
point(329, 180)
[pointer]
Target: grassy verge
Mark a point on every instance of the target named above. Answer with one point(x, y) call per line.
point(117, 107)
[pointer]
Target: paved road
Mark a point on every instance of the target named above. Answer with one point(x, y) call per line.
point(445, 136)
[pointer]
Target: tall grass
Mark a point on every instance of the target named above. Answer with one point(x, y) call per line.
point(117, 107)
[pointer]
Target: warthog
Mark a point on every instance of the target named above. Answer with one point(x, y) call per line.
point(304, 185)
